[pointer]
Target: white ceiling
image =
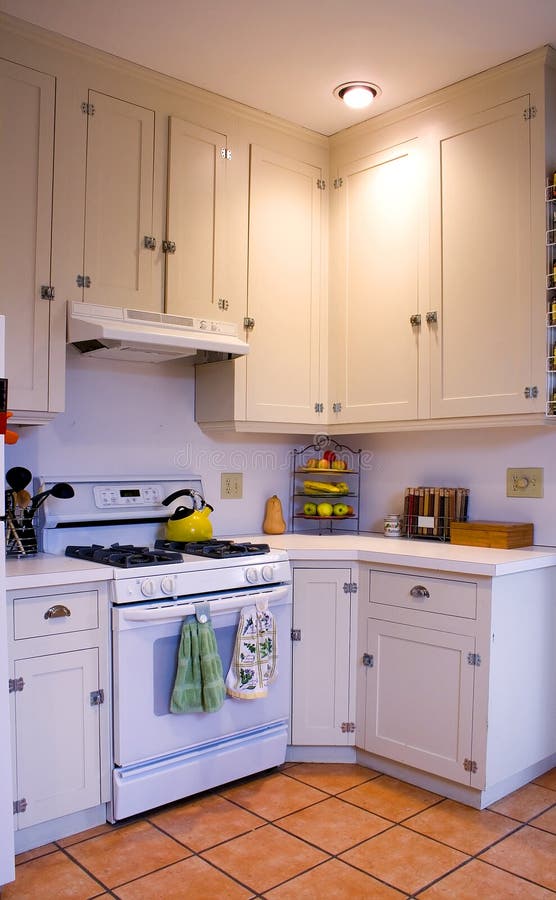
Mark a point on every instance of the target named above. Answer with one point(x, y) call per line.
point(286, 57)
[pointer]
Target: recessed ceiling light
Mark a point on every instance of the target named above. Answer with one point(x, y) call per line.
point(357, 94)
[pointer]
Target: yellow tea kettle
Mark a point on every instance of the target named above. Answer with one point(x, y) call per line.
point(189, 523)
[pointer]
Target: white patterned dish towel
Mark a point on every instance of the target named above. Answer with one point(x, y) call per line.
point(253, 665)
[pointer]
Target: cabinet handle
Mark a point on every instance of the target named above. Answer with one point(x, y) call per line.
point(419, 591)
point(57, 612)
point(432, 317)
point(415, 320)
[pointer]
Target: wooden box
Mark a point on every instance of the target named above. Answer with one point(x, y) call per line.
point(502, 535)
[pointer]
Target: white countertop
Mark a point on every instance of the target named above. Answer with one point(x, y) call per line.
point(47, 570)
point(415, 553)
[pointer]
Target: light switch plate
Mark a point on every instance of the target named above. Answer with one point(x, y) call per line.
point(525, 482)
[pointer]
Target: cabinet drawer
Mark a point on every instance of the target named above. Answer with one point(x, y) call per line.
point(437, 595)
point(55, 614)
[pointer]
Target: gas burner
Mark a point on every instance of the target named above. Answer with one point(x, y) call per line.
point(214, 549)
point(123, 556)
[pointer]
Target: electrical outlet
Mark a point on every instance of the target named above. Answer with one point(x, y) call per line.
point(524, 482)
point(231, 486)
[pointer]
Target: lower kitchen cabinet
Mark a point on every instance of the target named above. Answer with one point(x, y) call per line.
point(456, 677)
point(324, 618)
point(59, 688)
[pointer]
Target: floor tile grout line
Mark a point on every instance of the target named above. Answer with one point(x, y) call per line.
point(87, 871)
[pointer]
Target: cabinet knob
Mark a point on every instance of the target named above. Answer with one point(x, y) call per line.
point(57, 612)
point(415, 320)
point(419, 591)
point(432, 317)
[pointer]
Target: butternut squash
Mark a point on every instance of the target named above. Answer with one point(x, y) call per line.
point(273, 518)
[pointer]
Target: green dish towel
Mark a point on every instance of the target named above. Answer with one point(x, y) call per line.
point(199, 684)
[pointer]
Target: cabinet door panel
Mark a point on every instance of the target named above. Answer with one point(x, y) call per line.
point(481, 348)
point(57, 735)
point(119, 204)
point(26, 165)
point(420, 698)
point(321, 669)
point(195, 273)
point(373, 347)
point(283, 288)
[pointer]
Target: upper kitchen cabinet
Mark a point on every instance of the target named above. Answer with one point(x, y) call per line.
point(280, 383)
point(196, 245)
point(376, 264)
point(118, 247)
point(27, 295)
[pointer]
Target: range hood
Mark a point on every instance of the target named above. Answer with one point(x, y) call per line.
point(134, 334)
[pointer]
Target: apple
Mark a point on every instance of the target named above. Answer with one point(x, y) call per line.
point(340, 509)
point(325, 509)
point(324, 463)
point(329, 455)
point(350, 510)
point(338, 464)
point(310, 509)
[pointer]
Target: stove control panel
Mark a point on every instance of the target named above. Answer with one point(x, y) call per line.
point(118, 495)
point(257, 574)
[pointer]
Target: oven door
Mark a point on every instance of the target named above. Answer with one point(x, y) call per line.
point(146, 638)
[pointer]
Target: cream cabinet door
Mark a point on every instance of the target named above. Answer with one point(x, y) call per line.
point(419, 697)
point(284, 289)
point(373, 347)
point(321, 658)
point(196, 270)
point(481, 265)
point(57, 743)
point(119, 204)
point(27, 103)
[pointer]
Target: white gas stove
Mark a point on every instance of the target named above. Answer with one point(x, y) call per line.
point(156, 590)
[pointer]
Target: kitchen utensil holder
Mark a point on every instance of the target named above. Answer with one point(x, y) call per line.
point(21, 537)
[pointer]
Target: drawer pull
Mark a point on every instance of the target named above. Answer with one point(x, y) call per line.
point(57, 612)
point(419, 591)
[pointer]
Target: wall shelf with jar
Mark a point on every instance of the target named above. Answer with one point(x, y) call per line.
point(326, 488)
point(550, 197)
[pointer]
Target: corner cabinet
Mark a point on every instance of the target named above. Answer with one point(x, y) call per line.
point(59, 690)
point(443, 686)
point(323, 633)
point(281, 379)
point(27, 298)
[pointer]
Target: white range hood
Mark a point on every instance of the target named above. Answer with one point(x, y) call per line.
point(134, 334)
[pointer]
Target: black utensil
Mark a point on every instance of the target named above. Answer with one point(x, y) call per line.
point(18, 478)
point(61, 490)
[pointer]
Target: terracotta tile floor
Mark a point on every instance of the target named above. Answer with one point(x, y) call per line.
point(309, 831)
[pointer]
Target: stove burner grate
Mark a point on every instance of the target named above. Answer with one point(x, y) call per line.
point(214, 549)
point(123, 556)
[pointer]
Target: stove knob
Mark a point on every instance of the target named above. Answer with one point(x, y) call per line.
point(168, 584)
point(268, 573)
point(148, 587)
point(251, 575)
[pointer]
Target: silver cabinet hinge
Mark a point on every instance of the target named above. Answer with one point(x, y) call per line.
point(149, 242)
point(368, 660)
point(83, 281)
point(248, 323)
point(348, 727)
point(529, 112)
point(88, 108)
point(319, 407)
point(168, 246)
point(350, 587)
point(223, 303)
point(96, 697)
point(530, 393)
point(225, 153)
point(47, 292)
point(321, 184)
point(20, 806)
point(15, 685)
point(295, 634)
point(470, 765)
point(474, 659)
point(338, 182)
point(336, 407)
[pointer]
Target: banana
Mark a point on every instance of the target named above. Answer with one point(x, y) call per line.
point(321, 487)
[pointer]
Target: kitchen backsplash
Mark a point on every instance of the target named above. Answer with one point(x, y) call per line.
point(124, 418)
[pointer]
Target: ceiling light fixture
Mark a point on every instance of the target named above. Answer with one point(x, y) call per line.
point(357, 94)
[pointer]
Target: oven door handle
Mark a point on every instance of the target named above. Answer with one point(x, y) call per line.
point(179, 610)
